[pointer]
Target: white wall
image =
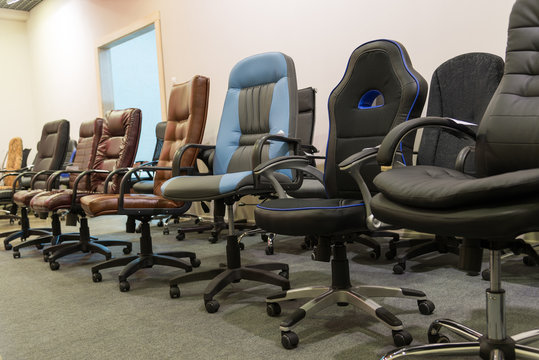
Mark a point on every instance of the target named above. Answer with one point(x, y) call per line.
point(16, 104)
point(209, 36)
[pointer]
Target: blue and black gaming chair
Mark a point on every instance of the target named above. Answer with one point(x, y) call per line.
point(379, 90)
point(258, 123)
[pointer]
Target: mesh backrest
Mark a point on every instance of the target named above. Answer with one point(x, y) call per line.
point(261, 99)
point(117, 146)
point(379, 90)
point(461, 88)
point(187, 110)
point(508, 136)
point(52, 149)
point(89, 136)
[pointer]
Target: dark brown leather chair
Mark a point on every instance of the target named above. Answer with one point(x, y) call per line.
point(186, 121)
point(54, 200)
point(50, 157)
point(116, 149)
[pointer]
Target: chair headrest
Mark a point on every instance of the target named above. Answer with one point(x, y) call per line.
point(259, 69)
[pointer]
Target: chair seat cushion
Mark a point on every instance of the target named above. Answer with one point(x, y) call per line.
point(23, 197)
point(439, 188)
point(107, 204)
point(55, 200)
point(311, 216)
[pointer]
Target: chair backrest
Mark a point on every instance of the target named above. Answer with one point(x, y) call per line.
point(187, 110)
point(89, 136)
point(52, 149)
point(117, 146)
point(306, 115)
point(508, 135)
point(261, 99)
point(14, 159)
point(160, 129)
point(379, 90)
point(461, 88)
point(25, 153)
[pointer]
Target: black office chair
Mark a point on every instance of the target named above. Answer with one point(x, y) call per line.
point(461, 88)
point(259, 117)
point(380, 89)
point(491, 209)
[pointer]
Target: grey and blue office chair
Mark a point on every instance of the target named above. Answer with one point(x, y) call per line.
point(491, 209)
point(379, 90)
point(258, 123)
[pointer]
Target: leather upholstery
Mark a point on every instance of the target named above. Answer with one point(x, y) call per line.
point(14, 160)
point(355, 123)
point(188, 107)
point(117, 147)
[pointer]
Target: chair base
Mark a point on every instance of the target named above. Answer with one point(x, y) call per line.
point(233, 272)
point(145, 259)
point(342, 293)
point(24, 232)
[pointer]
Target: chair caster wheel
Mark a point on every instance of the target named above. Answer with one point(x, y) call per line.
point(8, 246)
point(160, 223)
point(269, 250)
point(124, 286)
point(485, 274)
point(211, 306)
point(284, 274)
point(39, 246)
point(273, 309)
point(126, 250)
point(166, 231)
point(180, 236)
point(390, 255)
point(426, 307)
point(375, 254)
point(399, 268)
point(528, 261)
point(195, 262)
point(401, 338)
point(174, 292)
point(434, 337)
point(97, 277)
point(16, 254)
point(54, 265)
point(241, 245)
point(289, 339)
point(213, 239)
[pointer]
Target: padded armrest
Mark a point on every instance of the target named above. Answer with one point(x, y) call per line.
point(391, 141)
point(176, 162)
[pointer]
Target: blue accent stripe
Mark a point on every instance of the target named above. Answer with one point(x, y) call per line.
point(311, 208)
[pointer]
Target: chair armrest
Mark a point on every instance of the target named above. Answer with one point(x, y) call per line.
point(52, 178)
point(462, 156)
point(19, 177)
point(391, 141)
point(259, 145)
point(81, 176)
point(294, 162)
point(176, 162)
point(113, 173)
point(38, 174)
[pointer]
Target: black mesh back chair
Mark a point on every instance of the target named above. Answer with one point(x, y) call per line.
point(461, 88)
point(379, 90)
point(493, 208)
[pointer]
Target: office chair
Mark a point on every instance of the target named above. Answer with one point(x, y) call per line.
point(116, 149)
point(491, 209)
point(378, 69)
point(145, 184)
point(89, 136)
point(188, 107)
point(258, 121)
point(10, 167)
point(461, 88)
point(50, 157)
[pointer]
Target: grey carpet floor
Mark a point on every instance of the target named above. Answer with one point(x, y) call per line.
point(64, 315)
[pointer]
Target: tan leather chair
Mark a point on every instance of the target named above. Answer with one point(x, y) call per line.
point(186, 121)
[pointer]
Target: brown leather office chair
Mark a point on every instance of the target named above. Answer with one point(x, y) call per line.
point(116, 149)
point(186, 121)
point(54, 200)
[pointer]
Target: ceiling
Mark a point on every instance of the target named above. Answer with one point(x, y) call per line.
point(22, 5)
